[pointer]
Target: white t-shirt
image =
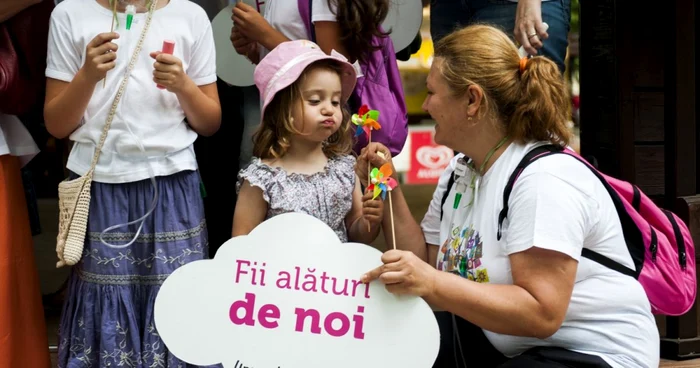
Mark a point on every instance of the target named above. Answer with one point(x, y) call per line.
point(16, 140)
point(558, 204)
point(154, 115)
point(284, 16)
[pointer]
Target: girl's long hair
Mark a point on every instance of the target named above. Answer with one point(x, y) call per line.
point(359, 21)
point(271, 140)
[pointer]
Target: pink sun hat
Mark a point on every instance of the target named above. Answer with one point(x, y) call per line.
point(285, 63)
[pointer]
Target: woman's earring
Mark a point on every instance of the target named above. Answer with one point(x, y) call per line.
point(469, 118)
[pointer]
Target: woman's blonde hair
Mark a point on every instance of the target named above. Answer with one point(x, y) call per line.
point(271, 140)
point(533, 104)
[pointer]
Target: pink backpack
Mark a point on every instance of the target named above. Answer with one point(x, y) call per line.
point(659, 242)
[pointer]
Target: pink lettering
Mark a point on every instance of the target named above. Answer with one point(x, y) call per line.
point(267, 315)
point(239, 271)
point(344, 324)
point(301, 316)
point(339, 331)
point(269, 311)
point(323, 282)
point(355, 284)
point(359, 323)
point(248, 305)
point(344, 291)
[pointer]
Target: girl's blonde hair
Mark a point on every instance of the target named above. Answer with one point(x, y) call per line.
point(271, 140)
point(533, 104)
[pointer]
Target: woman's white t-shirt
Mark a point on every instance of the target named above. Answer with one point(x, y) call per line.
point(558, 204)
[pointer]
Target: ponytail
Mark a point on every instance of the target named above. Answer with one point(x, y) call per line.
point(544, 106)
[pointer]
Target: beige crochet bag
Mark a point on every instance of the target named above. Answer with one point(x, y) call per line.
point(74, 195)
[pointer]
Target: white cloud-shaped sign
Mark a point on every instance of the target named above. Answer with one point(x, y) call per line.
point(288, 295)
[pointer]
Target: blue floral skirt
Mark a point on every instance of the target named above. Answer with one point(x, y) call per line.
point(107, 318)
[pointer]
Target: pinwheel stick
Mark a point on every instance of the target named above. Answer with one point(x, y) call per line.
point(369, 170)
point(369, 141)
point(391, 214)
point(381, 183)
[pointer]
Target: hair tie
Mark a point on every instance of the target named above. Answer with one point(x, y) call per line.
point(523, 64)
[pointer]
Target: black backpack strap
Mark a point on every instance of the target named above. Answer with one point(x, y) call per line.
point(607, 262)
point(544, 151)
point(450, 183)
point(532, 156)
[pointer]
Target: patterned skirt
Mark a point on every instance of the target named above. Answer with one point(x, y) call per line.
point(107, 318)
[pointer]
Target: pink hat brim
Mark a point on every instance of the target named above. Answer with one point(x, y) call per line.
point(277, 71)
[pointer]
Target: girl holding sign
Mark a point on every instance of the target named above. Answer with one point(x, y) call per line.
point(302, 148)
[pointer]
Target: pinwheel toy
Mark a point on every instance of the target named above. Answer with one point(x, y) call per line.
point(381, 181)
point(366, 121)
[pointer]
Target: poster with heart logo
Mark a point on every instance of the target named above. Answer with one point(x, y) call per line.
point(428, 160)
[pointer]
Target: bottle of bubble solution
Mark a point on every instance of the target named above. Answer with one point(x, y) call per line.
point(130, 12)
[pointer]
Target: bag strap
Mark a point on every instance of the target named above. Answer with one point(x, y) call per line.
point(532, 156)
point(547, 150)
point(450, 183)
point(122, 87)
point(305, 10)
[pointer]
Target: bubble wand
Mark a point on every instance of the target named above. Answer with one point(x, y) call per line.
point(130, 12)
point(111, 29)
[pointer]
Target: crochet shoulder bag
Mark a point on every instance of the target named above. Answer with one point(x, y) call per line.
point(74, 195)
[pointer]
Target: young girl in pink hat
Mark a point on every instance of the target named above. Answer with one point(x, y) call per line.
point(302, 160)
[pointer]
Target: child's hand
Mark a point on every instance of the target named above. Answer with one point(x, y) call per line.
point(243, 45)
point(100, 56)
point(249, 22)
point(372, 209)
point(377, 155)
point(168, 72)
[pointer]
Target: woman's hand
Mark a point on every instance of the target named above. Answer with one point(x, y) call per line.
point(168, 72)
point(404, 273)
point(529, 30)
point(377, 155)
point(249, 22)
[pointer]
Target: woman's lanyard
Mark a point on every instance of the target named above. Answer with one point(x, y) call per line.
point(460, 187)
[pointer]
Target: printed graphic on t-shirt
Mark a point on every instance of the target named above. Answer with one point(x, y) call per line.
point(461, 254)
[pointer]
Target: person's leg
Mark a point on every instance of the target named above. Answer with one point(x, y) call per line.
point(556, 13)
point(462, 343)
point(251, 120)
point(447, 16)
